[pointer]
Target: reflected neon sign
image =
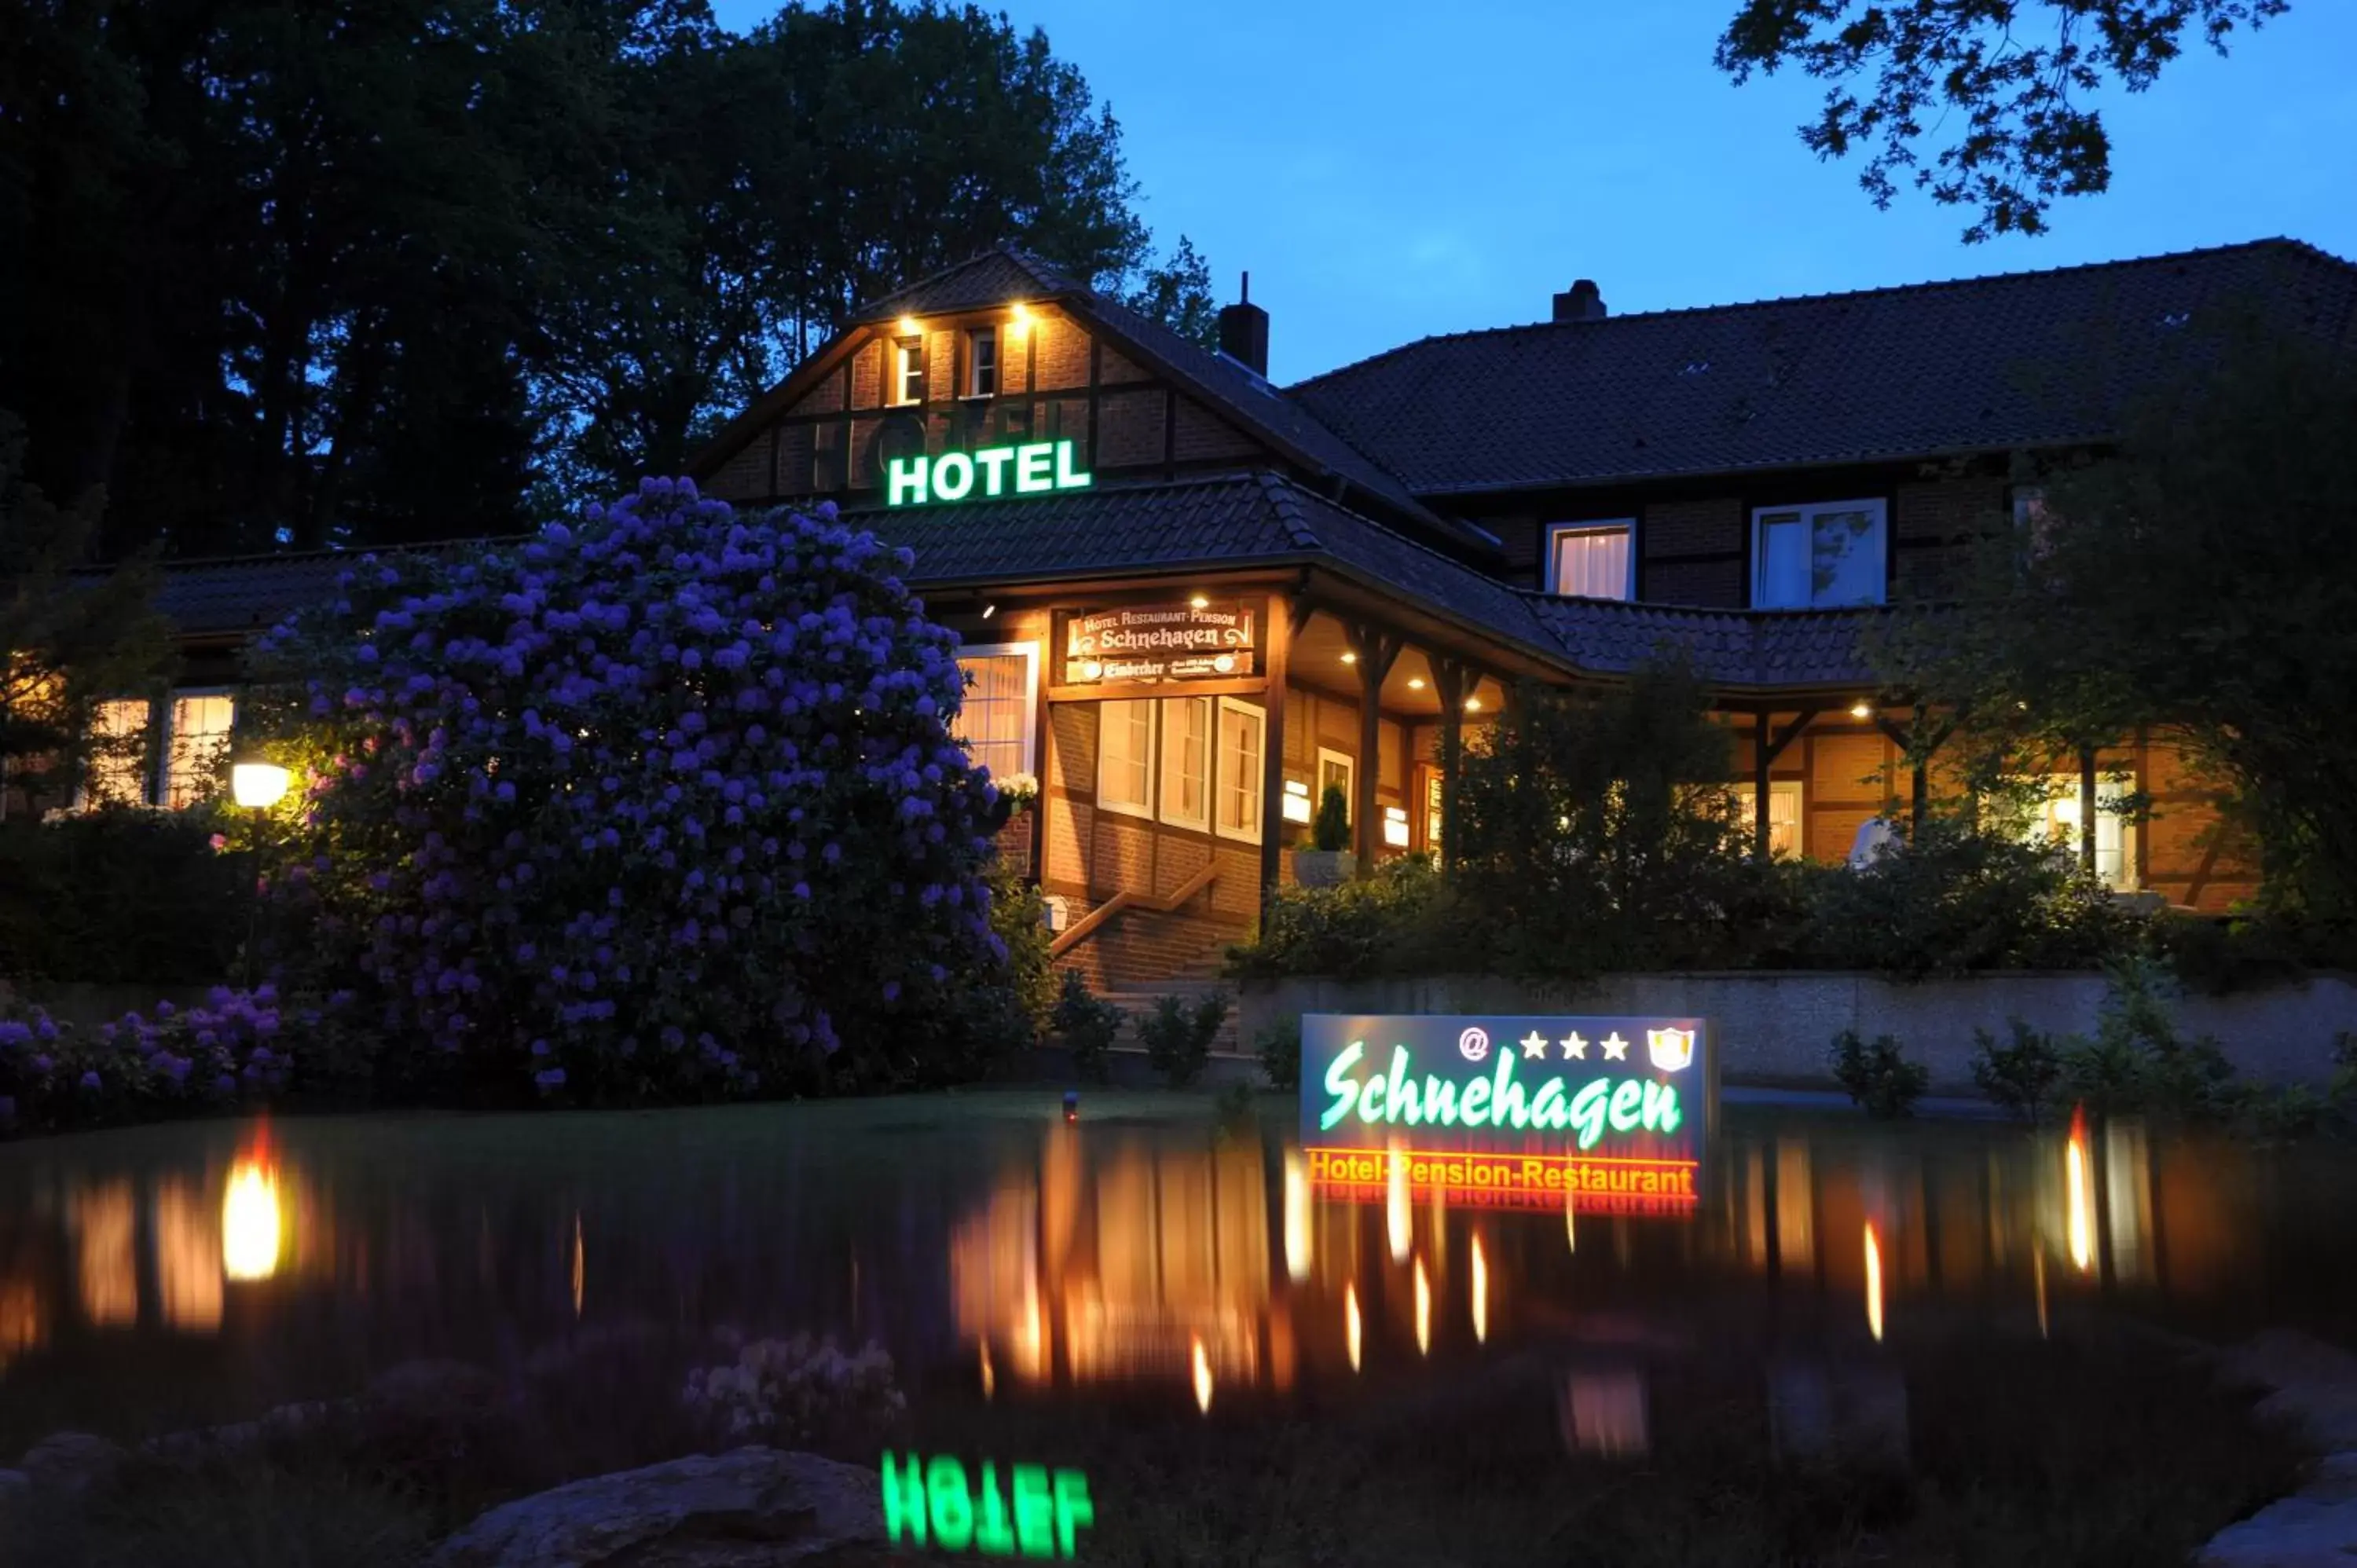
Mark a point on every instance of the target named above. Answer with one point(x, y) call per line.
point(1039, 1514)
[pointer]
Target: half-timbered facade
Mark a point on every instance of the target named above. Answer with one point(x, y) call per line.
point(1191, 600)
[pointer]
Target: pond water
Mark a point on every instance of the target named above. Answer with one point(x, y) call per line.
point(1142, 1260)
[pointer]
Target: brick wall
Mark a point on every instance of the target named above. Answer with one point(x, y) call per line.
point(1061, 353)
point(1671, 534)
point(745, 476)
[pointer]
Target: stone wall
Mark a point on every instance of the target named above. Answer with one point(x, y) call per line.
point(1774, 1028)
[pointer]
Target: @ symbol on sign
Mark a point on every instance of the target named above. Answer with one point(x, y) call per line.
point(1473, 1044)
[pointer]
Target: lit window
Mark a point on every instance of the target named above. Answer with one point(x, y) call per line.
point(2055, 820)
point(1817, 557)
point(995, 722)
point(117, 773)
point(1243, 733)
point(1336, 771)
point(200, 735)
point(1783, 817)
point(1125, 757)
point(1187, 762)
point(909, 371)
point(982, 362)
point(1592, 561)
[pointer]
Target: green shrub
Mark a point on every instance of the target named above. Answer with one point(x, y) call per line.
point(2021, 1077)
point(1331, 830)
point(1367, 926)
point(1878, 1077)
point(1087, 1024)
point(1956, 899)
point(2137, 1063)
point(1232, 1110)
point(1179, 1037)
point(123, 896)
point(1280, 1048)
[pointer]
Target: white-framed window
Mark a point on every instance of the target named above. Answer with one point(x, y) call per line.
point(119, 773)
point(1125, 757)
point(2055, 820)
point(200, 726)
point(1336, 768)
point(982, 362)
point(999, 717)
point(1187, 762)
point(1783, 816)
point(1593, 560)
point(1820, 556)
point(908, 370)
point(1244, 734)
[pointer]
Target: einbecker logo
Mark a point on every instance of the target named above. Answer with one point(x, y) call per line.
point(1473, 1044)
point(1671, 1049)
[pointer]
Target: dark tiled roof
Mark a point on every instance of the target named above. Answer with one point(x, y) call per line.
point(244, 595)
point(2027, 359)
point(1758, 649)
point(994, 278)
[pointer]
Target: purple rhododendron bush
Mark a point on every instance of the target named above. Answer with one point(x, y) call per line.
point(232, 1053)
point(660, 805)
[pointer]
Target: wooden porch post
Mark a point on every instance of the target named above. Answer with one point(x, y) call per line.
point(1285, 611)
point(2087, 810)
point(1450, 682)
point(1761, 758)
point(1376, 650)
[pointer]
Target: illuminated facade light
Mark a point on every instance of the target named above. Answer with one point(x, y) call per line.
point(1199, 602)
point(1472, 705)
point(1296, 805)
point(1861, 709)
point(1416, 683)
point(989, 610)
point(906, 327)
point(1350, 659)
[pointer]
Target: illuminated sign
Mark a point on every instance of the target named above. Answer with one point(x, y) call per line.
point(1608, 1114)
point(1039, 1514)
point(1032, 469)
point(1186, 640)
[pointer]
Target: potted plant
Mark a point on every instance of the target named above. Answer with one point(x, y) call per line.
point(1330, 860)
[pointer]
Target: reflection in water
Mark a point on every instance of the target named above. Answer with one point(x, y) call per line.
point(1873, 1283)
point(2078, 1203)
point(1296, 1218)
point(109, 1282)
point(1481, 1293)
point(1202, 1370)
point(1570, 1220)
point(189, 1252)
point(20, 1319)
point(1351, 1331)
point(1400, 1221)
point(252, 1228)
point(1603, 1412)
point(989, 1378)
point(580, 1266)
point(1423, 1310)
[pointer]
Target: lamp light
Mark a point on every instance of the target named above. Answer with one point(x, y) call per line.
point(1861, 709)
point(1472, 705)
point(1416, 683)
point(1350, 659)
point(255, 782)
point(990, 609)
point(906, 327)
point(1199, 602)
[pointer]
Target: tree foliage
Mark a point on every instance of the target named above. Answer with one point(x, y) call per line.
point(66, 642)
point(663, 805)
point(2200, 582)
point(342, 274)
point(2000, 87)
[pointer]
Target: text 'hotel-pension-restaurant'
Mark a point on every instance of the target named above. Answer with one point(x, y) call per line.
point(1192, 600)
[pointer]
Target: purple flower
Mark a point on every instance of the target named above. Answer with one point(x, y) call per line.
point(90, 1081)
point(552, 1077)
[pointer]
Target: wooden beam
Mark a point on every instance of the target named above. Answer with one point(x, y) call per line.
point(1283, 622)
point(2087, 810)
point(1451, 680)
point(1377, 648)
point(1089, 924)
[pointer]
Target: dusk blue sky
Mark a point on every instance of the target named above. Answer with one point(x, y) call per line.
point(1388, 171)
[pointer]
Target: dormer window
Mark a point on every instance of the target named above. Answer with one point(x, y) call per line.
point(982, 362)
point(908, 370)
point(1592, 560)
point(1823, 556)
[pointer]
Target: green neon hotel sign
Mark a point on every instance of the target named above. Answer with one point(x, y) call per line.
point(1040, 1513)
point(987, 473)
point(1498, 1101)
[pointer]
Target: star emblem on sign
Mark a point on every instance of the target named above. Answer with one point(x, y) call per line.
point(1533, 1045)
point(1574, 1046)
point(1615, 1049)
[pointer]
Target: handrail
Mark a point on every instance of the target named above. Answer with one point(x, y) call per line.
point(1086, 926)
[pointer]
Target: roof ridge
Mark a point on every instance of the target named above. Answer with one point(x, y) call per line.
point(1046, 273)
point(1282, 494)
point(1927, 285)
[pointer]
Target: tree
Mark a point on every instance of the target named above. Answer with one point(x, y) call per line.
point(2009, 75)
point(66, 642)
point(1178, 293)
point(664, 805)
point(2202, 582)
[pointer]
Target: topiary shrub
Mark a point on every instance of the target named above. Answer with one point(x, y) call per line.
point(1878, 1078)
point(662, 805)
point(1371, 925)
point(1087, 1025)
point(2021, 1077)
point(1331, 830)
point(1279, 1049)
point(1179, 1039)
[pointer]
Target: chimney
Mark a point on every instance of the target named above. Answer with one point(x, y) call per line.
point(1244, 333)
point(1582, 304)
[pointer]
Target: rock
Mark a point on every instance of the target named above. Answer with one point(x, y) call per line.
point(73, 1463)
point(753, 1507)
point(2315, 1383)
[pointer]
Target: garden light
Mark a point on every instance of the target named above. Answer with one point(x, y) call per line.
point(255, 782)
point(1071, 1105)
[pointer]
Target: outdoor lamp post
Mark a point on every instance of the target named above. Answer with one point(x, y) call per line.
point(256, 784)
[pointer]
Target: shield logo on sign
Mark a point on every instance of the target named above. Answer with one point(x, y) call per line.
point(1671, 1049)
